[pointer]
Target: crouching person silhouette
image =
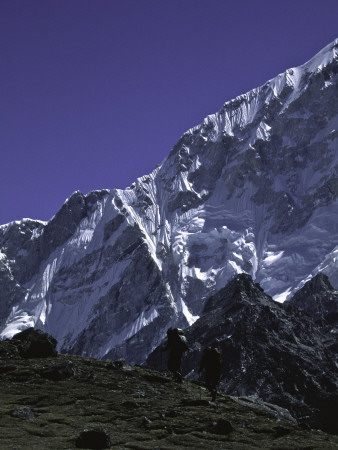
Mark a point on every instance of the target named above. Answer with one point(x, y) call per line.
point(177, 345)
point(211, 364)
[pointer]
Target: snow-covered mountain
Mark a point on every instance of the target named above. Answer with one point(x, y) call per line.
point(252, 189)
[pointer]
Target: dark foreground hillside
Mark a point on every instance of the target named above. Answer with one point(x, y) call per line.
point(47, 402)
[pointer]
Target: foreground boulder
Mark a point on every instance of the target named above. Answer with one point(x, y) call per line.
point(24, 413)
point(93, 439)
point(32, 343)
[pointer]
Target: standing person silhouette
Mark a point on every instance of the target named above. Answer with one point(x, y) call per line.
point(211, 363)
point(177, 345)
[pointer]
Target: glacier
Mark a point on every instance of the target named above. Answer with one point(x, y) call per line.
point(253, 189)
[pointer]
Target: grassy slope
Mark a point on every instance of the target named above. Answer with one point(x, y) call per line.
point(139, 409)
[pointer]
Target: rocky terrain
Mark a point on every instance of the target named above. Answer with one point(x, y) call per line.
point(285, 354)
point(67, 402)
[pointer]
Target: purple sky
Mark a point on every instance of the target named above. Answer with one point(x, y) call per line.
point(94, 94)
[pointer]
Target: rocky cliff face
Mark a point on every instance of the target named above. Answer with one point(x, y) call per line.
point(319, 300)
point(252, 189)
point(269, 352)
point(95, 284)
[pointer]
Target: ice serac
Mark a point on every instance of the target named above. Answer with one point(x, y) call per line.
point(252, 189)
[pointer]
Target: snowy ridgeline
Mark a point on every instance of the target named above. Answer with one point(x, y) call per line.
point(252, 189)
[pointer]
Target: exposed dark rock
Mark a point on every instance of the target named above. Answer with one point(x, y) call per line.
point(32, 343)
point(222, 426)
point(130, 404)
point(10, 290)
point(9, 368)
point(62, 226)
point(95, 196)
point(318, 299)
point(115, 307)
point(17, 242)
point(112, 226)
point(241, 288)
point(269, 352)
point(116, 365)
point(29, 242)
point(280, 431)
point(8, 350)
point(24, 412)
point(185, 200)
point(59, 371)
point(94, 439)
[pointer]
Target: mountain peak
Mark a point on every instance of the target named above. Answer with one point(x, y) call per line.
point(252, 190)
point(241, 288)
point(324, 57)
point(318, 299)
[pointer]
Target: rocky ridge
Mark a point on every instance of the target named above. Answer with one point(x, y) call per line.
point(319, 300)
point(279, 353)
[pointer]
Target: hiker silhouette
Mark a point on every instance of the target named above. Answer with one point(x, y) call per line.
point(211, 364)
point(177, 345)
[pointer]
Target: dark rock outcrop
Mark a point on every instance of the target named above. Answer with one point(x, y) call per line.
point(59, 371)
point(282, 357)
point(318, 299)
point(30, 343)
point(23, 413)
point(94, 439)
point(8, 350)
point(223, 426)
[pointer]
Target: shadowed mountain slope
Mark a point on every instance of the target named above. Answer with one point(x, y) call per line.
point(269, 353)
point(319, 300)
